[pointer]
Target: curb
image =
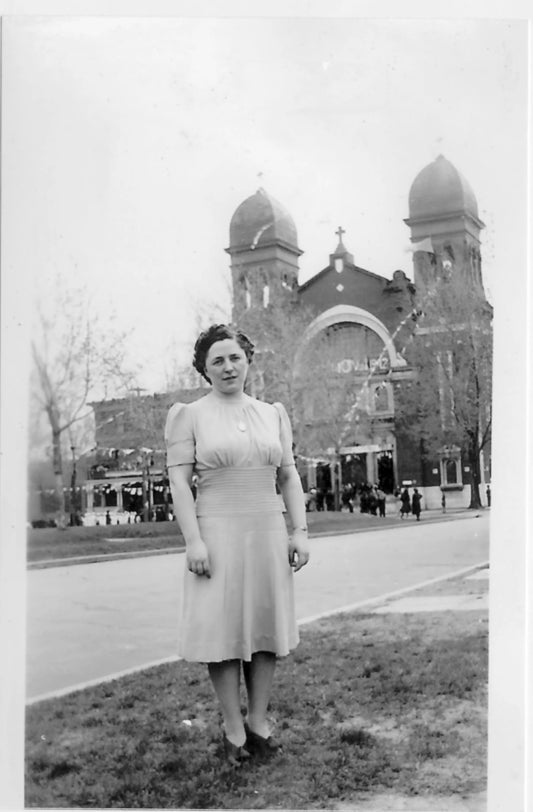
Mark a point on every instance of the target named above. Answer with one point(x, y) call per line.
point(99, 558)
point(371, 528)
point(48, 563)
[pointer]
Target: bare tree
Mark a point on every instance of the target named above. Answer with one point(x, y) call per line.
point(179, 373)
point(449, 402)
point(277, 333)
point(76, 358)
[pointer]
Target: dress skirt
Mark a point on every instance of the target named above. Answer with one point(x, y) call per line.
point(248, 603)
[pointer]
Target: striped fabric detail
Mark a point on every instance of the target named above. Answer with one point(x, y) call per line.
point(223, 491)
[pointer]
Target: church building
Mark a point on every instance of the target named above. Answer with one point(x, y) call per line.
point(368, 320)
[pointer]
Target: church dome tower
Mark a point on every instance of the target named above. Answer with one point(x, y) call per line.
point(439, 189)
point(445, 225)
point(264, 253)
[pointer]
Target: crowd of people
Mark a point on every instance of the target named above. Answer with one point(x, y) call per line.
point(368, 498)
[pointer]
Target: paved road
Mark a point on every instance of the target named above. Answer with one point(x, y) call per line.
point(88, 621)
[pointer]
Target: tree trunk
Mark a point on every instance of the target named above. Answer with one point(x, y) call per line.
point(475, 474)
point(334, 468)
point(73, 505)
point(57, 459)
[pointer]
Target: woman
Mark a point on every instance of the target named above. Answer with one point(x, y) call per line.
point(416, 504)
point(382, 499)
point(405, 509)
point(238, 592)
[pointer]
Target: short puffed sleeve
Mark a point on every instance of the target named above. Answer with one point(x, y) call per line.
point(179, 436)
point(287, 457)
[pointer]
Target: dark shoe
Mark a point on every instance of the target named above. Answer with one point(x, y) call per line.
point(234, 754)
point(259, 745)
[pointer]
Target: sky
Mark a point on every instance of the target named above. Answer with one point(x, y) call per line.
point(131, 142)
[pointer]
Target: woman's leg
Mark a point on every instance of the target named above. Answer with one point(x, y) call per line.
point(259, 675)
point(225, 677)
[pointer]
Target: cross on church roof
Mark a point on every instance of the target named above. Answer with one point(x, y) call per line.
point(340, 250)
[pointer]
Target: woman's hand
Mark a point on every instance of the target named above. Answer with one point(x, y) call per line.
point(198, 558)
point(298, 549)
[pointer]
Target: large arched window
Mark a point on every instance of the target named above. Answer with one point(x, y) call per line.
point(350, 349)
point(344, 317)
point(341, 367)
point(343, 356)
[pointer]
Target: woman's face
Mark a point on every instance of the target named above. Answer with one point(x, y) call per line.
point(226, 366)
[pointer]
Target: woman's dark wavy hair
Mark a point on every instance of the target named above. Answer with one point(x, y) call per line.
point(219, 332)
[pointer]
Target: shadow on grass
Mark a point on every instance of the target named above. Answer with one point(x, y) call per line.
point(365, 703)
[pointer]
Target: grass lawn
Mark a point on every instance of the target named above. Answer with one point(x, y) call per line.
point(368, 704)
point(51, 543)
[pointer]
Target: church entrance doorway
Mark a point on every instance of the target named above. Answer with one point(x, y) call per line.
point(386, 472)
point(353, 469)
point(325, 498)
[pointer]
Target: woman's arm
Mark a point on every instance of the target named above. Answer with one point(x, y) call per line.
point(291, 489)
point(180, 477)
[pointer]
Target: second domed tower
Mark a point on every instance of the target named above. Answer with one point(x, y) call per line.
point(445, 225)
point(264, 253)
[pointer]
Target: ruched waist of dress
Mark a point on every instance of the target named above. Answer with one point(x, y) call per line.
point(230, 491)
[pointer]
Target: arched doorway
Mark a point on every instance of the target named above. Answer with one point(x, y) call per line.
point(386, 471)
point(324, 487)
point(353, 468)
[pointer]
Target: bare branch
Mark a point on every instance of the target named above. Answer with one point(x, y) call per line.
point(72, 357)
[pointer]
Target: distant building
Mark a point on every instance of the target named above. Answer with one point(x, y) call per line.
point(127, 470)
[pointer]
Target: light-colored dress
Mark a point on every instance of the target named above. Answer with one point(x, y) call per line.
point(248, 603)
